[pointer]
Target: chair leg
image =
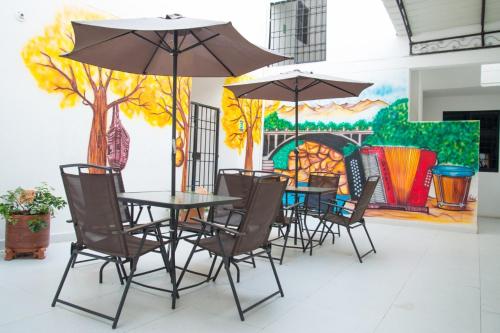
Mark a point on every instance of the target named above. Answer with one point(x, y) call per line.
point(72, 248)
point(118, 269)
point(218, 270)
point(268, 250)
point(193, 250)
point(285, 236)
point(226, 262)
point(369, 238)
point(102, 269)
point(65, 274)
point(165, 259)
point(150, 213)
point(237, 271)
point(125, 292)
point(209, 276)
point(253, 259)
point(354, 244)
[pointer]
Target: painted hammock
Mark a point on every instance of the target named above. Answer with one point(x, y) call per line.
point(118, 142)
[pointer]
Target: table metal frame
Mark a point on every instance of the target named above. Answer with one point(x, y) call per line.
point(181, 200)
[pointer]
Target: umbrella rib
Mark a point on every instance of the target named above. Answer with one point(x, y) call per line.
point(182, 40)
point(213, 55)
point(154, 53)
point(312, 84)
point(337, 87)
point(254, 89)
point(199, 43)
point(282, 85)
point(169, 50)
point(102, 41)
point(162, 39)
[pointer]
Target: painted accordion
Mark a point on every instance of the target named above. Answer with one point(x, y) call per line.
point(405, 176)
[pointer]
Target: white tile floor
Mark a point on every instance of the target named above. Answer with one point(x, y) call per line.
point(420, 280)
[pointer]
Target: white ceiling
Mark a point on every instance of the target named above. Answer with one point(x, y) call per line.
point(443, 18)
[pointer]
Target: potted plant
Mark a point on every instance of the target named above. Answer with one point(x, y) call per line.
point(27, 215)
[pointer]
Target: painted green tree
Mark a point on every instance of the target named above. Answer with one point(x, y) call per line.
point(455, 142)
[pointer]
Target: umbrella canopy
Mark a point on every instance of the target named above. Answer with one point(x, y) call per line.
point(148, 46)
point(174, 45)
point(297, 86)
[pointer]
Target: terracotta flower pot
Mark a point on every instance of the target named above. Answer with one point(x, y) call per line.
point(20, 239)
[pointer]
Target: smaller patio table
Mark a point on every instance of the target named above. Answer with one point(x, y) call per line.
point(181, 200)
point(309, 190)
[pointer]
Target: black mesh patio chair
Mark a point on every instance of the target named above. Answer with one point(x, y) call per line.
point(351, 218)
point(99, 230)
point(314, 208)
point(286, 219)
point(128, 214)
point(251, 235)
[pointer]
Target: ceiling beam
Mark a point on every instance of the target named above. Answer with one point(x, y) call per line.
point(483, 12)
point(406, 21)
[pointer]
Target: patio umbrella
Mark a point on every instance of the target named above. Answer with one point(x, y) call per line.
point(173, 45)
point(297, 86)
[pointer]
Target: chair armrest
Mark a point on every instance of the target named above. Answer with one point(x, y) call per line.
point(331, 204)
point(219, 227)
point(236, 210)
point(145, 226)
point(347, 200)
point(297, 204)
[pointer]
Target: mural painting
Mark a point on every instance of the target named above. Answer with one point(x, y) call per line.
point(241, 121)
point(427, 170)
point(102, 90)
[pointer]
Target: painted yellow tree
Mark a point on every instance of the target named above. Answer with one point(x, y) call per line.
point(97, 88)
point(242, 121)
point(160, 91)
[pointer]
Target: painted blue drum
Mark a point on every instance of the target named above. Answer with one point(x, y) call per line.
point(453, 171)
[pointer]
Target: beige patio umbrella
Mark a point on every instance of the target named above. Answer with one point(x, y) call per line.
point(173, 46)
point(297, 86)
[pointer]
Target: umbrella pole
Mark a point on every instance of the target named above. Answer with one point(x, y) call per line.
point(296, 133)
point(174, 112)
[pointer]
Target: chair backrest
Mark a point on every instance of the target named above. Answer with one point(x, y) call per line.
point(94, 208)
point(323, 180)
point(264, 205)
point(120, 188)
point(364, 199)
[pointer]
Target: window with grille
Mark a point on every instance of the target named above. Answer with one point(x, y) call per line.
point(297, 29)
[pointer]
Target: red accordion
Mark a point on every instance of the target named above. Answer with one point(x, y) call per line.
point(405, 176)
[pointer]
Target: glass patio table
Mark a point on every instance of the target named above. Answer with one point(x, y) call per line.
point(181, 200)
point(308, 191)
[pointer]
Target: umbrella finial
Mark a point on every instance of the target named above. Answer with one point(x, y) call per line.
point(173, 16)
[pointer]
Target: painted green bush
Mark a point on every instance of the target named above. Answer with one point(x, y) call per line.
point(455, 142)
point(272, 122)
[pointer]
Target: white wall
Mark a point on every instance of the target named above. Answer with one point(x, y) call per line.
point(36, 136)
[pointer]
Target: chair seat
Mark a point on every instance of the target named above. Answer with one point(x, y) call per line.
point(283, 220)
point(339, 219)
point(193, 227)
point(133, 244)
point(212, 244)
point(234, 221)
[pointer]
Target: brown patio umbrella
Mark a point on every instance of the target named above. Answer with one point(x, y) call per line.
point(173, 46)
point(297, 86)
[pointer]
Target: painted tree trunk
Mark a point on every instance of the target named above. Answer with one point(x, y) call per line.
point(249, 150)
point(184, 182)
point(98, 143)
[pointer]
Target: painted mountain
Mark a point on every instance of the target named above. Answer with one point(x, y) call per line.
point(350, 113)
